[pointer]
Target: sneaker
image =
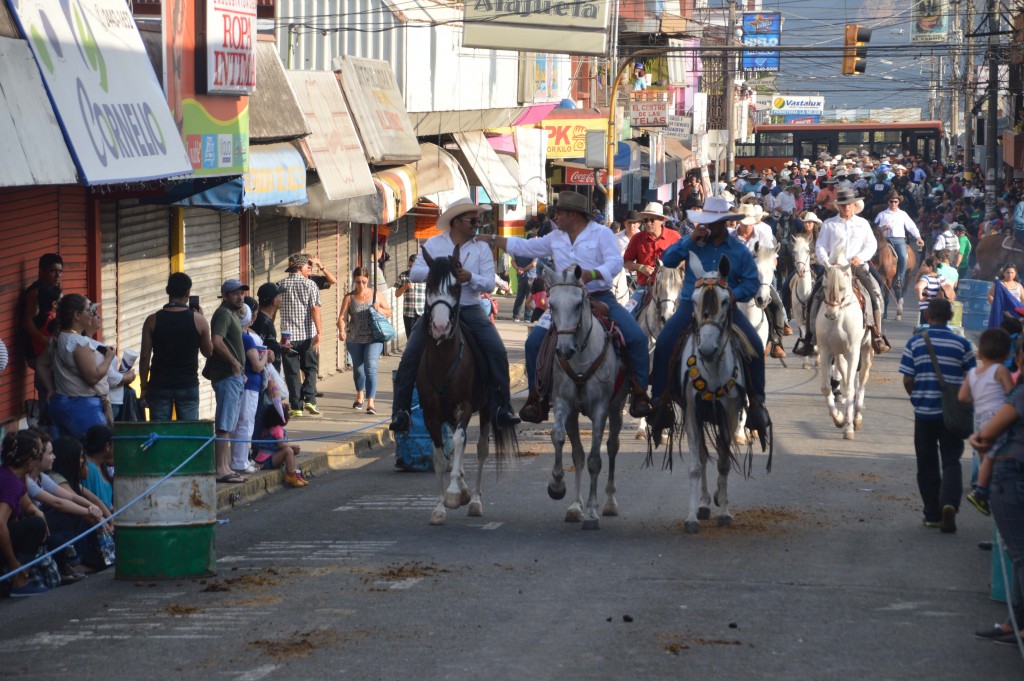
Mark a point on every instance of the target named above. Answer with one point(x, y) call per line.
point(991, 634)
point(948, 522)
point(295, 413)
point(311, 408)
point(980, 503)
point(29, 589)
point(1007, 639)
point(293, 480)
point(930, 523)
point(248, 470)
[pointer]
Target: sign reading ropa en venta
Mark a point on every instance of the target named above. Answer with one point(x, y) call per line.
point(230, 47)
point(106, 96)
point(548, 26)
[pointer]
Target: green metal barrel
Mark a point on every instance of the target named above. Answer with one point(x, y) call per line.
point(169, 534)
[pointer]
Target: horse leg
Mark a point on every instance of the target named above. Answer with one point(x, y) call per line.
point(826, 387)
point(457, 495)
point(556, 487)
point(611, 504)
point(439, 515)
point(641, 429)
point(850, 389)
point(574, 513)
point(591, 518)
point(864, 372)
point(722, 493)
point(476, 506)
point(698, 455)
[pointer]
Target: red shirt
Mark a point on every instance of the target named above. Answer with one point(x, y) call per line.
point(646, 250)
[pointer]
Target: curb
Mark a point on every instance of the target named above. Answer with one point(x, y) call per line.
point(338, 457)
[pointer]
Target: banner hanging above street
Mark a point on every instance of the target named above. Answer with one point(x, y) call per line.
point(761, 30)
point(929, 22)
point(108, 100)
point(551, 26)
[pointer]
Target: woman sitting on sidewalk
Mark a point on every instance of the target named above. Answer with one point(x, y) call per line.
point(22, 525)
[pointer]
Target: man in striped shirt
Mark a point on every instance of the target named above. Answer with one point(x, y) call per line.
point(939, 477)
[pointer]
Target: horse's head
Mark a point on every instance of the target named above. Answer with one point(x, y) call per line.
point(442, 295)
point(801, 252)
point(668, 284)
point(569, 307)
point(765, 259)
point(838, 284)
point(712, 307)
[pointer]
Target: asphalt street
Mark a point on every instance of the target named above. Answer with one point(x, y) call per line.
point(826, 573)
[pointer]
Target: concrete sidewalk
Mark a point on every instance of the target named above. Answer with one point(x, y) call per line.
point(342, 436)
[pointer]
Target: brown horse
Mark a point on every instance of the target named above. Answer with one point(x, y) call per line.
point(886, 263)
point(991, 255)
point(452, 389)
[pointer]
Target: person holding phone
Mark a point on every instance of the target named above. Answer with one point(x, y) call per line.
point(172, 340)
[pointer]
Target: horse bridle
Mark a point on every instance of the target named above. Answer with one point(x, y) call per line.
point(454, 312)
point(845, 302)
point(658, 302)
point(581, 378)
point(724, 328)
point(574, 331)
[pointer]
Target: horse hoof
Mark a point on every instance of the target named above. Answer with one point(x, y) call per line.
point(476, 509)
point(573, 515)
point(610, 509)
point(641, 435)
point(591, 524)
point(438, 517)
point(556, 492)
point(465, 497)
point(691, 527)
point(848, 435)
point(858, 422)
point(724, 520)
point(452, 500)
point(899, 317)
point(703, 513)
point(837, 420)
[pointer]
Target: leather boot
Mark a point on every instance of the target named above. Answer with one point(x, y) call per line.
point(640, 404)
point(534, 411)
point(804, 346)
point(787, 330)
point(758, 419)
point(661, 420)
point(879, 343)
point(505, 417)
point(777, 351)
point(400, 421)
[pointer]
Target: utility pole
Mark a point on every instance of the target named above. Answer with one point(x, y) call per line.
point(969, 87)
point(730, 93)
point(954, 81)
point(991, 148)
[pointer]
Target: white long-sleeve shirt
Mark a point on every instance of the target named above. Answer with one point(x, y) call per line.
point(853, 235)
point(896, 224)
point(785, 202)
point(475, 256)
point(595, 248)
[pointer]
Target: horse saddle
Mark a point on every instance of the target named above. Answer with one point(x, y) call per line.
point(1010, 243)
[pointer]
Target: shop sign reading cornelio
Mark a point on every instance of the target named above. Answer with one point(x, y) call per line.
point(548, 26)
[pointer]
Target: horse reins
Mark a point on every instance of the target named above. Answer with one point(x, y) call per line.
point(581, 379)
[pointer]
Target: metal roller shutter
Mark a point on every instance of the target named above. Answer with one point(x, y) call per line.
point(268, 249)
point(322, 241)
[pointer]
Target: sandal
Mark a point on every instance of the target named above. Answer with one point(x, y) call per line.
point(232, 479)
point(358, 404)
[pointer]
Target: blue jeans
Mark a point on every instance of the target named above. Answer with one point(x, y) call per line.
point(364, 365)
point(677, 326)
point(638, 296)
point(75, 415)
point(185, 402)
point(939, 477)
point(228, 392)
point(900, 246)
point(1007, 499)
point(524, 283)
point(636, 341)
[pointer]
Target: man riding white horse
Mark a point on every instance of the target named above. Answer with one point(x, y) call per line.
point(710, 241)
point(458, 225)
point(579, 241)
point(644, 251)
point(852, 233)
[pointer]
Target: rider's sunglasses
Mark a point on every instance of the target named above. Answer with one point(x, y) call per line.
point(646, 220)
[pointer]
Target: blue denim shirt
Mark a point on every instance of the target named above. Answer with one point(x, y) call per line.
point(743, 281)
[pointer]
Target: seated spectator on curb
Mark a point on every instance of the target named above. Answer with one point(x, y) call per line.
point(67, 514)
point(22, 526)
point(99, 451)
point(275, 451)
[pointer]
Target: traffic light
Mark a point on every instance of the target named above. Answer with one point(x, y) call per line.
point(855, 51)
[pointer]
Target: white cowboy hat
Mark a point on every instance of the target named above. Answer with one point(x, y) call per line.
point(653, 210)
point(751, 212)
point(715, 209)
point(457, 208)
point(728, 196)
point(811, 217)
point(749, 197)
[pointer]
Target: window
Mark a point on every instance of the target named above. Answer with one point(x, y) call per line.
point(775, 138)
point(888, 136)
point(854, 137)
point(785, 150)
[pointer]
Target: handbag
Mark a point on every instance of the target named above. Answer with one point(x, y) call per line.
point(380, 327)
point(957, 416)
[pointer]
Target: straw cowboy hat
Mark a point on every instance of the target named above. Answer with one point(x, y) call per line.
point(457, 208)
point(811, 217)
point(716, 209)
point(845, 197)
point(751, 212)
point(653, 210)
point(749, 197)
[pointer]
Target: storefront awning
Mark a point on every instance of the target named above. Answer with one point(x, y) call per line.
point(274, 112)
point(535, 114)
point(675, 148)
point(31, 143)
point(449, 122)
point(334, 145)
point(485, 169)
point(276, 176)
point(378, 110)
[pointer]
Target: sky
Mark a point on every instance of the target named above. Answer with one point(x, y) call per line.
point(903, 82)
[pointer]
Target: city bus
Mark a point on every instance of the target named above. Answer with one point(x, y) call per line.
point(778, 144)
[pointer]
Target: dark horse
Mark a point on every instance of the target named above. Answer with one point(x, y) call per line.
point(886, 265)
point(993, 252)
point(452, 388)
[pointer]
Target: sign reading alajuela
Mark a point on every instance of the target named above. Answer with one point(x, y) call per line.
point(550, 26)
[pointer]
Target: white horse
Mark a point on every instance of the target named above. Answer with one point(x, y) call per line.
point(589, 379)
point(664, 295)
point(713, 396)
point(756, 309)
point(842, 338)
point(801, 285)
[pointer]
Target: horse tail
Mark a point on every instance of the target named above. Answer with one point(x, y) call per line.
point(506, 443)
